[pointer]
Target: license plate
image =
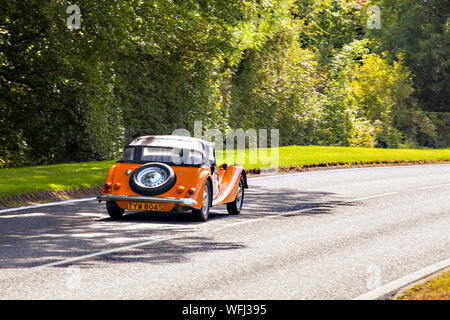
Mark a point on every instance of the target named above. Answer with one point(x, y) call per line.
point(147, 206)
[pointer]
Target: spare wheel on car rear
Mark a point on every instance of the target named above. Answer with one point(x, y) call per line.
point(152, 179)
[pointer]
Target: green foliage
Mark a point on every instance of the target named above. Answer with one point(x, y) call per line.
point(57, 94)
point(379, 90)
point(363, 96)
point(328, 25)
point(342, 123)
point(309, 68)
point(274, 88)
point(420, 31)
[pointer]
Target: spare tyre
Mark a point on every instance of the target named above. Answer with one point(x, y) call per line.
point(152, 179)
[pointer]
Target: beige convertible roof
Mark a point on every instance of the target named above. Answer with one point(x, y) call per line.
point(182, 142)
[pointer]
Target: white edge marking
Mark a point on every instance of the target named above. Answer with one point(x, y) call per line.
point(272, 216)
point(403, 281)
point(100, 253)
point(24, 215)
point(436, 186)
point(295, 212)
point(371, 197)
point(303, 172)
point(46, 205)
point(340, 170)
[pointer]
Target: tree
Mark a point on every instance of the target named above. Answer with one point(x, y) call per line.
point(419, 31)
point(274, 88)
point(328, 25)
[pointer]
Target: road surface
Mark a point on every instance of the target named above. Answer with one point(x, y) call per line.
point(333, 234)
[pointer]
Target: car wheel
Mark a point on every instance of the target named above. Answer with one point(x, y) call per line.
point(114, 210)
point(236, 206)
point(202, 214)
point(152, 179)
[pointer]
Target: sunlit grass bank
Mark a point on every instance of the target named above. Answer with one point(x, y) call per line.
point(14, 181)
point(437, 288)
point(308, 156)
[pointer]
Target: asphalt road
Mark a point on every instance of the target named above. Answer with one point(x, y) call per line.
point(332, 234)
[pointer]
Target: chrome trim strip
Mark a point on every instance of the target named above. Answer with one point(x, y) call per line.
point(191, 202)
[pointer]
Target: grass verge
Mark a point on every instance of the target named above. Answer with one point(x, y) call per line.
point(318, 156)
point(63, 177)
point(59, 177)
point(437, 288)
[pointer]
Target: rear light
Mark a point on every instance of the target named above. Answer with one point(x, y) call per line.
point(116, 185)
point(107, 187)
point(190, 193)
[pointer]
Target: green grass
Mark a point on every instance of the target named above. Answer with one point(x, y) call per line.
point(305, 156)
point(437, 288)
point(16, 181)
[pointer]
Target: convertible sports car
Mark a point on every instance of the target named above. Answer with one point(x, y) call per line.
point(172, 174)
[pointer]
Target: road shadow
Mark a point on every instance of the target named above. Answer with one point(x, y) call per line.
point(175, 250)
point(43, 235)
point(258, 201)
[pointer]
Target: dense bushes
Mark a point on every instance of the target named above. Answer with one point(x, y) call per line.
point(309, 68)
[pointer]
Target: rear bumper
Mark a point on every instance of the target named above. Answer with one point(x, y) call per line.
point(108, 197)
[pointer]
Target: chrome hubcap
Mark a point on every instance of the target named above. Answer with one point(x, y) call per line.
point(151, 177)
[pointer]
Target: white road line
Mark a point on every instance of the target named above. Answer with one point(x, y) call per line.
point(46, 204)
point(24, 215)
point(272, 216)
point(371, 197)
point(334, 170)
point(100, 253)
point(403, 281)
point(436, 186)
point(302, 173)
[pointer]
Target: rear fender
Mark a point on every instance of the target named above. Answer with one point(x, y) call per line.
point(229, 183)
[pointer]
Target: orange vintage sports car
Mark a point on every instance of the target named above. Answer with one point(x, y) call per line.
point(172, 174)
